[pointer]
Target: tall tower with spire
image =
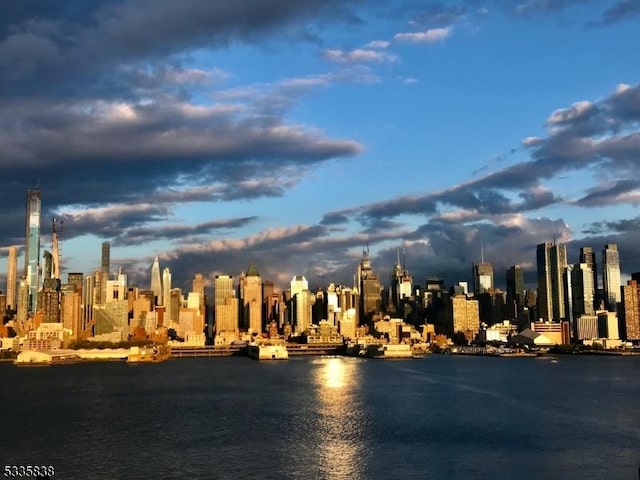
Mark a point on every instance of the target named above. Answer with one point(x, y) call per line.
point(482, 275)
point(32, 246)
point(401, 285)
point(156, 283)
point(370, 287)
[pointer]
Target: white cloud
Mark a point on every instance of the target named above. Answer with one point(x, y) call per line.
point(429, 36)
point(377, 44)
point(408, 80)
point(359, 55)
point(622, 87)
point(196, 76)
point(565, 114)
point(531, 141)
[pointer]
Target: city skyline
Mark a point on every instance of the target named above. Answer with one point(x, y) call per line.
point(294, 135)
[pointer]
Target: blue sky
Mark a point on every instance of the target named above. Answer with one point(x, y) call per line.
point(293, 134)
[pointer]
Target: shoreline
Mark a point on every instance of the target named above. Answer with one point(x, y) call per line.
point(298, 350)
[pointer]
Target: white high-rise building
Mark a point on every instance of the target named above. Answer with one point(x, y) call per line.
point(302, 304)
point(166, 290)
point(298, 284)
point(116, 290)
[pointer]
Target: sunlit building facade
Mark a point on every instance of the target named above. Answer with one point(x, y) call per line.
point(156, 282)
point(631, 304)
point(32, 247)
point(12, 266)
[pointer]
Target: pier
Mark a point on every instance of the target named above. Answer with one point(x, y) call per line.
point(294, 349)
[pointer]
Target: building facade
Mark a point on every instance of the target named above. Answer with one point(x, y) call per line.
point(32, 247)
point(631, 305)
point(551, 260)
point(611, 276)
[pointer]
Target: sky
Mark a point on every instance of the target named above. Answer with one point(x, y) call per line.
point(296, 134)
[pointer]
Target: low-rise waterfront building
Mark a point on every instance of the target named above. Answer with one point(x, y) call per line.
point(324, 332)
point(500, 332)
point(556, 332)
point(531, 338)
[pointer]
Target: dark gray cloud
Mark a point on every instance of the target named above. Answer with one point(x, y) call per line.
point(610, 193)
point(101, 153)
point(334, 218)
point(96, 105)
point(183, 233)
point(625, 234)
point(620, 11)
point(542, 7)
point(314, 251)
point(86, 39)
point(438, 14)
point(614, 226)
point(449, 250)
point(111, 221)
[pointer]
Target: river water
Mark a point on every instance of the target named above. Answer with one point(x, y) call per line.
point(327, 418)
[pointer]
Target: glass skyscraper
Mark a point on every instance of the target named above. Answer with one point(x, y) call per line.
point(32, 246)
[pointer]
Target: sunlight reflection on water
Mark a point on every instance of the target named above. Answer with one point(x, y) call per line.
point(341, 424)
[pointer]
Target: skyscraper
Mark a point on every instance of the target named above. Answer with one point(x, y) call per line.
point(156, 283)
point(582, 289)
point(465, 316)
point(268, 304)
point(370, 287)
point(106, 257)
point(197, 286)
point(631, 304)
point(77, 279)
point(32, 247)
point(88, 300)
point(401, 284)
point(552, 265)
point(12, 268)
point(23, 301)
point(225, 307)
point(515, 290)
point(588, 256)
point(166, 293)
point(252, 299)
point(482, 277)
point(56, 269)
point(611, 276)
